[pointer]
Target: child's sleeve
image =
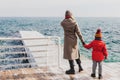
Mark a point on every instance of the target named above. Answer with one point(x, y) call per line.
point(105, 52)
point(88, 46)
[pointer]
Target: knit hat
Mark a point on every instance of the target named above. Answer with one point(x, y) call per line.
point(98, 33)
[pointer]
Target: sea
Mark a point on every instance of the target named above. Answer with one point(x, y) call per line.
point(50, 26)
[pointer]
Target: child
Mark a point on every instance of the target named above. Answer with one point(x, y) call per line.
point(99, 52)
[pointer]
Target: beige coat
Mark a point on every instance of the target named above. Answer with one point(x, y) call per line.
point(71, 30)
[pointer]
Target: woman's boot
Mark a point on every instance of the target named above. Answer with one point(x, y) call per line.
point(79, 65)
point(71, 70)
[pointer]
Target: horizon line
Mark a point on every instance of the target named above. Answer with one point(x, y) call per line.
point(63, 16)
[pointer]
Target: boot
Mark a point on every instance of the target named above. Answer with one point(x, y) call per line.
point(93, 75)
point(100, 76)
point(79, 65)
point(71, 70)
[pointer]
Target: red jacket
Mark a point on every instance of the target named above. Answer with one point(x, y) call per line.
point(99, 50)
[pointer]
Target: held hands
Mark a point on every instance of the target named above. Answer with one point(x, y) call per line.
point(83, 43)
point(105, 57)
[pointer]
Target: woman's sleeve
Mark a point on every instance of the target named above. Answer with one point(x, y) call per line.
point(77, 30)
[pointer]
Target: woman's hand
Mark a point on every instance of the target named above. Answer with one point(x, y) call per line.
point(83, 43)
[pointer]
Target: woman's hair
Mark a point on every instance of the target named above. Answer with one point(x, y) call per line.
point(68, 14)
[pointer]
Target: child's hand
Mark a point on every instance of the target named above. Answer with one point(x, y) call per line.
point(105, 57)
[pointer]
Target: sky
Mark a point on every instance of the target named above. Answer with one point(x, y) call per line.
point(57, 8)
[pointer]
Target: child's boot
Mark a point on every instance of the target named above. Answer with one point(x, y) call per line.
point(100, 76)
point(93, 75)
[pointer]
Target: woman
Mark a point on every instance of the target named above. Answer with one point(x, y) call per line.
point(71, 30)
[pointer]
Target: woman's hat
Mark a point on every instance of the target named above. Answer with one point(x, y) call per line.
point(68, 14)
point(98, 33)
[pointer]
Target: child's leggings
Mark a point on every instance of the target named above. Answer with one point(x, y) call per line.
point(99, 67)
